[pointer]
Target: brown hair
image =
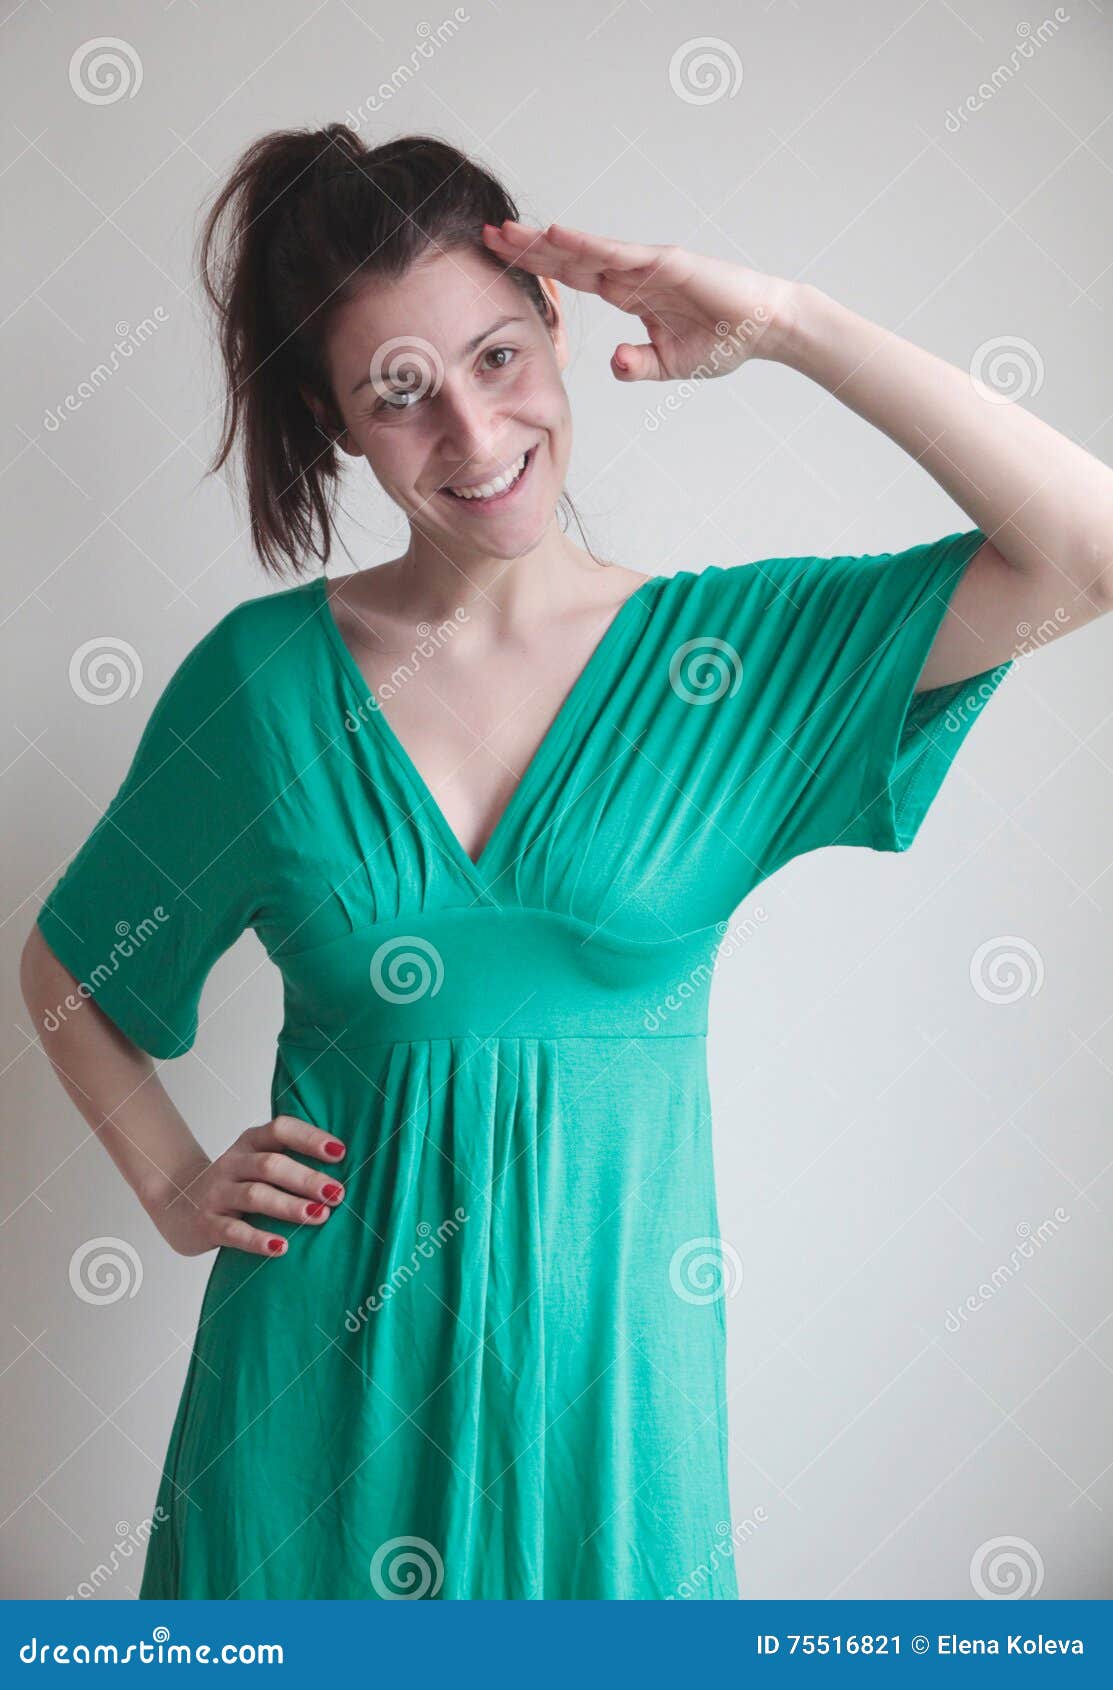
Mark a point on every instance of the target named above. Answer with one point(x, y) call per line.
point(314, 213)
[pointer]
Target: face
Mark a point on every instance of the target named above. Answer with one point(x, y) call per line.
point(437, 391)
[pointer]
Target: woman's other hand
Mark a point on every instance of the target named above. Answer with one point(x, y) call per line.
point(203, 1205)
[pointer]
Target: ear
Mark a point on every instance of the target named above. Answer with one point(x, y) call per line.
point(557, 331)
point(314, 404)
point(321, 415)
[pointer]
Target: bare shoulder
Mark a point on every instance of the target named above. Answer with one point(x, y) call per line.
point(627, 580)
point(364, 605)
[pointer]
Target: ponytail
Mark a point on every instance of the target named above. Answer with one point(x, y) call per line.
point(306, 218)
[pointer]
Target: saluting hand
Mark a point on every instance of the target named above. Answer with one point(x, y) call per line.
point(704, 316)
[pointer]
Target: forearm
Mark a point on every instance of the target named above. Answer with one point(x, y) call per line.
point(1046, 503)
point(112, 1083)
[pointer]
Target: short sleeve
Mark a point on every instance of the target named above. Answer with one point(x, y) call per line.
point(165, 882)
point(867, 752)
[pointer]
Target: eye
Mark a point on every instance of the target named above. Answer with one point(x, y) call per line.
point(388, 402)
point(404, 400)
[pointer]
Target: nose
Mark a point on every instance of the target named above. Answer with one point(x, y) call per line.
point(470, 428)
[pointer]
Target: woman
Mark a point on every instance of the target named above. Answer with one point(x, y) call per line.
point(488, 807)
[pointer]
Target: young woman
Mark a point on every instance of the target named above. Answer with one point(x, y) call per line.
point(489, 806)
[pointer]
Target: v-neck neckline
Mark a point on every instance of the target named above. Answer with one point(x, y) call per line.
point(643, 597)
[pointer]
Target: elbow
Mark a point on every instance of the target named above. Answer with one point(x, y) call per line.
point(1098, 571)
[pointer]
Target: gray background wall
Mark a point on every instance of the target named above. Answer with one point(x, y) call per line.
point(887, 1135)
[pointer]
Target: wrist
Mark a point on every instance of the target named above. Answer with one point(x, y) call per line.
point(802, 325)
point(158, 1188)
point(780, 312)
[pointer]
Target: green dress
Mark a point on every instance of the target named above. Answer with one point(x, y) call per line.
point(498, 1370)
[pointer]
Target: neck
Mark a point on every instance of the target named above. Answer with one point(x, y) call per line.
point(431, 584)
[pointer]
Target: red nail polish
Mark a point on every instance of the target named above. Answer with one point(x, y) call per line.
point(315, 1209)
point(332, 1192)
point(274, 1245)
point(334, 1147)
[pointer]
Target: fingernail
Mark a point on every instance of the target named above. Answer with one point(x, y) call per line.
point(314, 1209)
point(332, 1192)
point(274, 1245)
point(334, 1147)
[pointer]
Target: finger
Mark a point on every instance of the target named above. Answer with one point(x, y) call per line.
point(585, 262)
point(543, 259)
point(275, 1168)
point(636, 363)
point(238, 1235)
point(601, 252)
point(256, 1197)
point(292, 1133)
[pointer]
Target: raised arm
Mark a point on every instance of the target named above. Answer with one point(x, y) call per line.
point(1044, 503)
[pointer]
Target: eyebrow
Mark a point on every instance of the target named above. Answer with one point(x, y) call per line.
point(472, 346)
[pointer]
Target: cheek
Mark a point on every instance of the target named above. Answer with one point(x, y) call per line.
point(535, 391)
point(396, 456)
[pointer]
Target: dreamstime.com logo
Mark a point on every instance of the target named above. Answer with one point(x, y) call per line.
point(1006, 968)
point(128, 340)
point(430, 1242)
point(406, 968)
point(159, 1651)
point(430, 39)
point(704, 1270)
point(732, 338)
point(705, 69)
point(1030, 1241)
point(430, 640)
point(726, 1540)
point(128, 941)
point(1030, 638)
point(1029, 40)
point(406, 365)
point(128, 1540)
point(406, 1569)
point(1006, 1569)
point(705, 669)
point(105, 669)
point(103, 1270)
point(697, 981)
point(105, 70)
point(1005, 369)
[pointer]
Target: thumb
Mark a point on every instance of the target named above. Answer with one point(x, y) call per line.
point(635, 363)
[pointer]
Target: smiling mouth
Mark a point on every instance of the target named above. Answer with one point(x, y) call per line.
point(472, 499)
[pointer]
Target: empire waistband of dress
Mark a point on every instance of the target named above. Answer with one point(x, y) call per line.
point(494, 972)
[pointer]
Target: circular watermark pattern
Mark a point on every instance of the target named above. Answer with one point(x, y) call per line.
point(406, 1569)
point(406, 968)
point(407, 366)
point(1005, 969)
point(1006, 369)
point(1006, 1569)
point(704, 70)
point(105, 669)
point(703, 1270)
point(105, 1269)
point(105, 70)
point(705, 669)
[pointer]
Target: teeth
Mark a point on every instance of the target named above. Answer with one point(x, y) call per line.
point(490, 488)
